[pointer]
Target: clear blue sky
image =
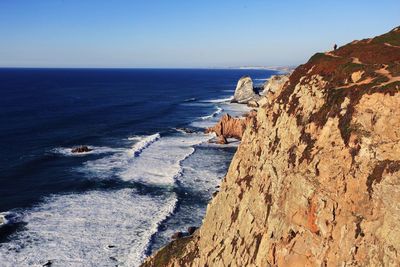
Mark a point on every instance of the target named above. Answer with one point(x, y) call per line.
point(186, 33)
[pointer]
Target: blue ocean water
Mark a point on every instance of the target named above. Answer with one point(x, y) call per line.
point(144, 179)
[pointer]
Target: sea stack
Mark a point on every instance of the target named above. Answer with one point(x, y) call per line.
point(244, 91)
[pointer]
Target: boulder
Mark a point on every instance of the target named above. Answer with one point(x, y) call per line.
point(81, 149)
point(244, 91)
point(222, 140)
point(177, 235)
point(186, 130)
point(191, 230)
point(252, 104)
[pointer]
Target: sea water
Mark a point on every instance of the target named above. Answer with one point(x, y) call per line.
point(144, 179)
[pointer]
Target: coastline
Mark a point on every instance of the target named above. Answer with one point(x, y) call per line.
point(185, 171)
point(173, 222)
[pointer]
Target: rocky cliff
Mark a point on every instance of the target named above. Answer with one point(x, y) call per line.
point(316, 179)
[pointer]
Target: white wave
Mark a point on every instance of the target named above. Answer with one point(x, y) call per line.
point(190, 99)
point(201, 175)
point(264, 79)
point(109, 166)
point(160, 163)
point(3, 219)
point(232, 142)
point(8, 218)
point(92, 229)
point(185, 130)
point(67, 151)
point(222, 100)
point(233, 109)
point(144, 143)
point(180, 130)
point(212, 115)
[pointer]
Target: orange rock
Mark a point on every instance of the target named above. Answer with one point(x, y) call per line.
point(229, 127)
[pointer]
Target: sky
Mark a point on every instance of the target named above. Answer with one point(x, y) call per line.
point(185, 33)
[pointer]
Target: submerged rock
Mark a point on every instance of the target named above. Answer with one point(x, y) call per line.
point(81, 149)
point(186, 130)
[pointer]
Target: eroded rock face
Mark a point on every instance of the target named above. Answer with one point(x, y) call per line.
point(229, 127)
point(316, 178)
point(244, 91)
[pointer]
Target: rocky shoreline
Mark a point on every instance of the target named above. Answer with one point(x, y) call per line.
point(316, 178)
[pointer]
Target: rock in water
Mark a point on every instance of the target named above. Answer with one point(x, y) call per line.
point(222, 140)
point(81, 149)
point(245, 91)
point(228, 127)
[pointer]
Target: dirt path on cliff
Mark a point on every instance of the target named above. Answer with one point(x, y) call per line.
point(356, 60)
point(390, 45)
point(383, 71)
point(331, 55)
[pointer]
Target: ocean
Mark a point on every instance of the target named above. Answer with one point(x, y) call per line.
point(145, 178)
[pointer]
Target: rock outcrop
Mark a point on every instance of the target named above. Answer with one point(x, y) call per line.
point(244, 91)
point(229, 127)
point(275, 83)
point(81, 149)
point(316, 178)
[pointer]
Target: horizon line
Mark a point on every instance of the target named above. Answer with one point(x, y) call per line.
point(237, 68)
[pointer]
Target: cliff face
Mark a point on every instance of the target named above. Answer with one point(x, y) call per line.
point(275, 82)
point(316, 179)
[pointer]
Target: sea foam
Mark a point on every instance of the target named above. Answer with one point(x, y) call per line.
point(215, 113)
point(160, 163)
point(92, 229)
point(95, 150)
point(220, 100)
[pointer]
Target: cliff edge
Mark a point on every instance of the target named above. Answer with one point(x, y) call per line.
point(316, 178)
